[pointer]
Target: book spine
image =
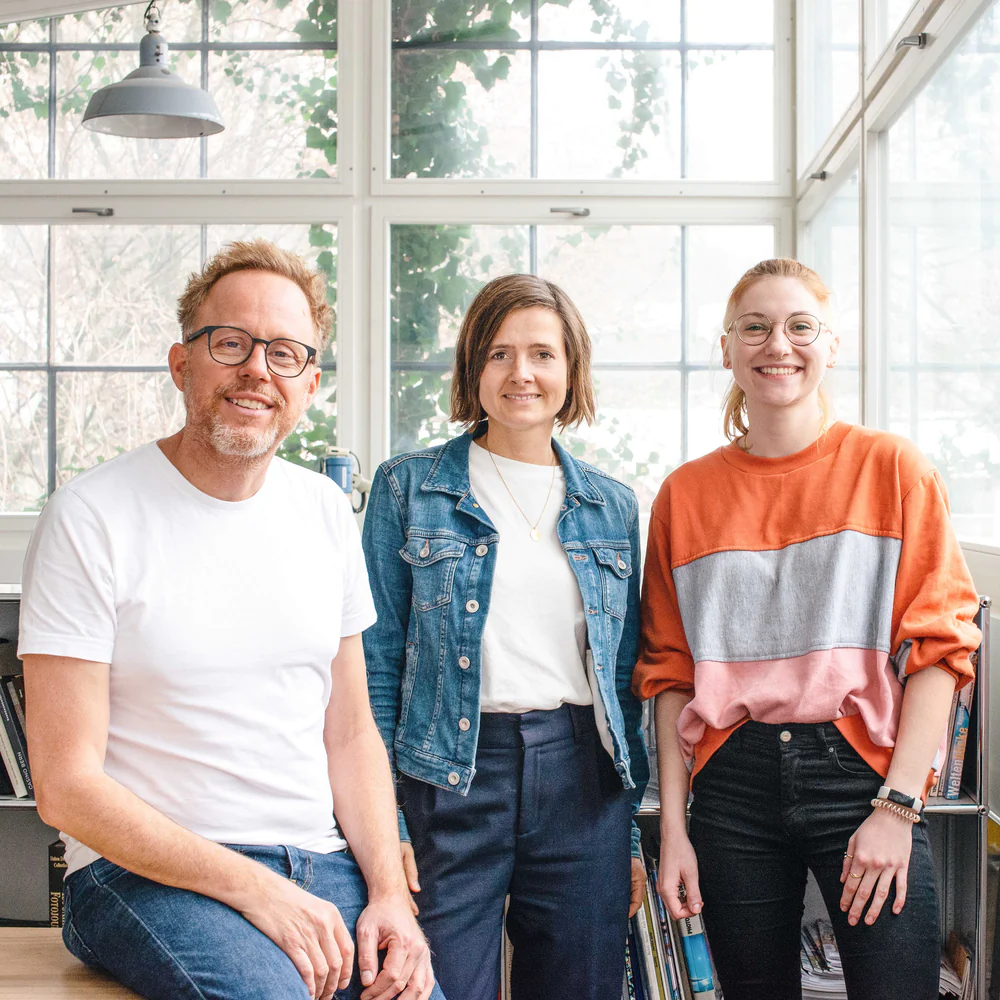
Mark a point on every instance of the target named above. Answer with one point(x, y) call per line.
point(16, 701)
point(667, 948)
point(944, 751)
point(699, 964)
point(957, 757)
point(17, 746)
point(57, 870)
point(9, 762)
point(636, 955)
point(628, 987)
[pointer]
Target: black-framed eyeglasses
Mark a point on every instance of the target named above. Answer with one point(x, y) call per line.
point(229, 345)
point(753, 329)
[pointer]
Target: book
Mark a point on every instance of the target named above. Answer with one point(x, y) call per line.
point(696, 957)
point(13, 749)
point(941, 758)
point(57, 871)
point(634, 961)
point(959, 742)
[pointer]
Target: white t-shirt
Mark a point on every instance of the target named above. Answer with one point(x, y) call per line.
point(219, 620)
point(535, 638)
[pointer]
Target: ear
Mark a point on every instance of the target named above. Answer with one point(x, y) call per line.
point(313, 386)
point(831, 360)
point(177, 359)
point(723, 341)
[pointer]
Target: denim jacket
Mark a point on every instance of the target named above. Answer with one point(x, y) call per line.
point(431, 551)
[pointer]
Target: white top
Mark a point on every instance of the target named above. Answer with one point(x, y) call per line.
point(219, 621)
point(535, 638)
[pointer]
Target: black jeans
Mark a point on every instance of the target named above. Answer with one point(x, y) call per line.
point(765, 811)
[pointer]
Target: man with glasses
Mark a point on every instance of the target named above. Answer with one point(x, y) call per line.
point(198, 722)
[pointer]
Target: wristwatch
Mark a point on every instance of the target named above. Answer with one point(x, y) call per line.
point(885, 792)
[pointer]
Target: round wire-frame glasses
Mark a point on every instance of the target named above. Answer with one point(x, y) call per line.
point(800, 328)
point(230, 345)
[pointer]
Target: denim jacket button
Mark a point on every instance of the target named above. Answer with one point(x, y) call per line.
point(464, 725)
point(453, 778)
point(472, 607)
point(464, 662)
point(621, 563)
point(481, 550)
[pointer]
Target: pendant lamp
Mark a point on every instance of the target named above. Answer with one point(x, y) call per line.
point(151, 102)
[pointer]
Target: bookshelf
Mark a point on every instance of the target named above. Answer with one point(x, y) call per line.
point(958, 828)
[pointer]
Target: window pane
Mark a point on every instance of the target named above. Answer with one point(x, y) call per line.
point(23, 423)
point(436, 272)
point(180, 21)
point(461, 113)
point(828, 69)
point(609, 114)
point(101, 414)
point(81, 153)
point(26, 32)
point(419, 405)
point(942, 294)
point(116, 290)
point(638, 20)
point(280, 110)
point(637, 434)
point(267, 21)
point(831, 246)
point(24, 115)
point(736, 21)
point(625, 280)
point(317, 244)
point(717, 256)
point(23, 312)
point(730, 115)
point(889, 15)
point(428, 21)
point(706, 392)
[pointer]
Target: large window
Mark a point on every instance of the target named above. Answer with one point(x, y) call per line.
point(653, 297)
point(577, 89)
point(272, 68)
point(942, 295)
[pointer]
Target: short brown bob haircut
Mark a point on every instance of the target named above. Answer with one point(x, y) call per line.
point(493, 303)
point(258, 255)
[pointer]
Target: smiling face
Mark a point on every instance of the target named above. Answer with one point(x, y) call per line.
point(244, 410)
point(524, 382)
point(779, 374)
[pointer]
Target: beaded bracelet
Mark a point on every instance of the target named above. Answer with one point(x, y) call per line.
point(894, 807)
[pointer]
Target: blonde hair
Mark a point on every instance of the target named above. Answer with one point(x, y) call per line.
point(258, 255)
point(493, 303)
point(735, 419)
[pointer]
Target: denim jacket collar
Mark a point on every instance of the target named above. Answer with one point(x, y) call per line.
point(450, 471)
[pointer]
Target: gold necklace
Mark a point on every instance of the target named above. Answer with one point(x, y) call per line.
point(533, 533)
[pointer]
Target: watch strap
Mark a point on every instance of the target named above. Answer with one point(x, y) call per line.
point(909, 801)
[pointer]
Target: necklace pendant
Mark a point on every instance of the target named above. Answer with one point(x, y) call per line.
point(534, 535)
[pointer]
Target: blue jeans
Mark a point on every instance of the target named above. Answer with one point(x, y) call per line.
point(171, 944)
point(765, 811)
point(546, 821)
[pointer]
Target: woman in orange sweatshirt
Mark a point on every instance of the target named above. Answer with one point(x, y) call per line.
point(807, 615)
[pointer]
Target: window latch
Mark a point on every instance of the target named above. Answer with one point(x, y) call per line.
point(102, 212)
point(918, 41)
point(580, 213)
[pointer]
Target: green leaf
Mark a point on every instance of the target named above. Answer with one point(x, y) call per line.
point(221, 11)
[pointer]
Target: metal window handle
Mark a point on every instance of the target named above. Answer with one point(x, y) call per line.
point(103, 212)
point(913, 41)
point(580, 213)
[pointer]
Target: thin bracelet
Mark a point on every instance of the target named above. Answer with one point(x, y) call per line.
point(894, 807)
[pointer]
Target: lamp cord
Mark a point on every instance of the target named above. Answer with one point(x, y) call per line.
point(152, 6)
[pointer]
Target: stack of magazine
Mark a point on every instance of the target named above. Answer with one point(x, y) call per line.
point(15, 777)
point(950, 760)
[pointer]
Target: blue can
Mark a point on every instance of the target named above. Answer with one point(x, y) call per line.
point(340, 469)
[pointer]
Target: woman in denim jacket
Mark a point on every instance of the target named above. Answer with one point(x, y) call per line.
point(506, 578)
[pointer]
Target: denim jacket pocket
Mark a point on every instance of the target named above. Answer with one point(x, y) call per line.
point(434, 561)
point(616, 568)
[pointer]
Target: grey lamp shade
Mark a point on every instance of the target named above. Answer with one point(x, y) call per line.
point(153, 103)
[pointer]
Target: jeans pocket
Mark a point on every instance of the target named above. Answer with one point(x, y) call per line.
point(848, 760)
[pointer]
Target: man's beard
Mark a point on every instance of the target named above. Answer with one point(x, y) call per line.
point(247, 443)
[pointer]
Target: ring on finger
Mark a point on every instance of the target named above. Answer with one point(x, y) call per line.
point(862, 875)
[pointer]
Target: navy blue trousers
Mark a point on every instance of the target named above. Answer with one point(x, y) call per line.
point(765, 811)
point(546, 821)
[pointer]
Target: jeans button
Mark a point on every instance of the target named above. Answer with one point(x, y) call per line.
point(472, 607)
point(481, 550)
point(464, 725)
point(785, 736)
point(453, 778)
point(464, 662)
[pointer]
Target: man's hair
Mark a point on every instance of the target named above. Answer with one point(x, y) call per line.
point(258, 255)
point(493, 303)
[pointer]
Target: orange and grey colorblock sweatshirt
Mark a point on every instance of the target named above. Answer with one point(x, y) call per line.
point(805, 588)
